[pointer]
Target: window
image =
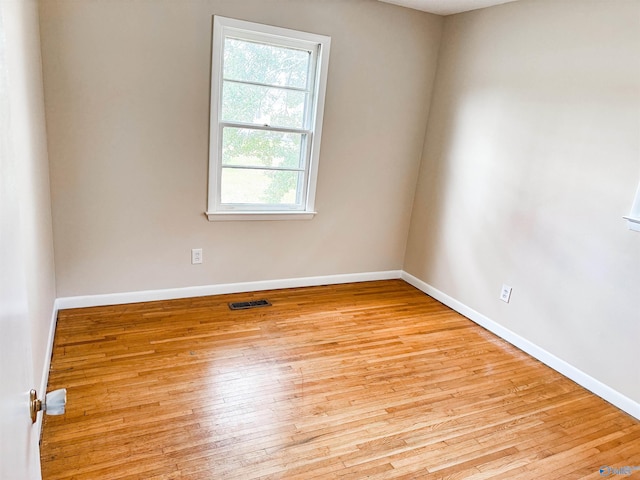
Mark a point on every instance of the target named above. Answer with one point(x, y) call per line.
point(267, 100)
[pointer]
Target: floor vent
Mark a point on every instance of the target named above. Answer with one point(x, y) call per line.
point(252, 304)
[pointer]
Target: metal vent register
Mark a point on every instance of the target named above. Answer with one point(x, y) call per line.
point(252, 304)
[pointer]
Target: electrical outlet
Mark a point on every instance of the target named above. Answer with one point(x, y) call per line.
point(196, 256)
point(505, 293)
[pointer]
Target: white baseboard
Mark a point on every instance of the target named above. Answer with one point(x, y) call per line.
point(47, 360)
point(595, 386)
point(204, 290)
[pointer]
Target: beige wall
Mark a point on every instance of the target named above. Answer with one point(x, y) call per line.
point(127, 98)
point(531, 158)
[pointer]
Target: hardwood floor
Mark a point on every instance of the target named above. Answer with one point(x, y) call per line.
point(371, 380)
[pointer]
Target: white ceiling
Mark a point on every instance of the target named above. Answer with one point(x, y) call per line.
point(446, 7)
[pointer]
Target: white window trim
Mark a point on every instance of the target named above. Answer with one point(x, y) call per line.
point(222, 27)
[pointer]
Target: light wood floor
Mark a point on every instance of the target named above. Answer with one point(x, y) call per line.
point(372, 380)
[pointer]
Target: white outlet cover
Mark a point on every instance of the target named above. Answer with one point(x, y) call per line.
point(196, 256)
point(505, 293)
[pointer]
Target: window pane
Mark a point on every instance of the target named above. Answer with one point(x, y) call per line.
point(260, 148)
point(263, 187)
point(255, 62)
point(263, 105)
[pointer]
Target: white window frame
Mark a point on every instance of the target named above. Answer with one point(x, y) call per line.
point(320, 46)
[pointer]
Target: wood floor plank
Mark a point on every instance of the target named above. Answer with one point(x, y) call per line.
point(369, 380)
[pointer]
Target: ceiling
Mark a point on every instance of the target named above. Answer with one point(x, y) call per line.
point(446, 7)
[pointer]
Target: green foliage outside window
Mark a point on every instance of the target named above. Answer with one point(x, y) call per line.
point(271, 98)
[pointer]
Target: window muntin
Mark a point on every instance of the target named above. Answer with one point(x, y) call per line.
point(266, 116)
point(261, 105)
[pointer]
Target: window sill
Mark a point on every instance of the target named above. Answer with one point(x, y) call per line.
point(633, 223)
point(252, 216)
